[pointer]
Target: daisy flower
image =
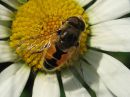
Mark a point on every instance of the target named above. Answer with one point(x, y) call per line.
point(32, 36)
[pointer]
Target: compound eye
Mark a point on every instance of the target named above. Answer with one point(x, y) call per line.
point(77, 23)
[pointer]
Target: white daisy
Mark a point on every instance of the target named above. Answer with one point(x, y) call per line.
point(94, 74)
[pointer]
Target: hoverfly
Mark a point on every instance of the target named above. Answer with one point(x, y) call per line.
point(63, 49)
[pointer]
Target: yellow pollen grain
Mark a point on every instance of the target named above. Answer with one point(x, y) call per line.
point(36, 23)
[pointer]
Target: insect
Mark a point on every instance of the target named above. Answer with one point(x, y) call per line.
point(62, 50)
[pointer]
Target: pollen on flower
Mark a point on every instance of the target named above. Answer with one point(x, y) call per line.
point(36, 24)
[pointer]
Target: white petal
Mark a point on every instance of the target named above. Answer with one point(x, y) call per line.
point(13, 3)
point(5, 18)
point(14, 85)
point(112, 36)
point(113, 73)
point(93, 80)
point(10, 71)
point(97, 3)
point(46, 86)
point(5, 14)
point(72, 86)
point(108, 10)
point(4, 32)
point(83, 2)
point(6, 52)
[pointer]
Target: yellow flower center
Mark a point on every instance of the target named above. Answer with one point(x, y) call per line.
point(35, 26)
